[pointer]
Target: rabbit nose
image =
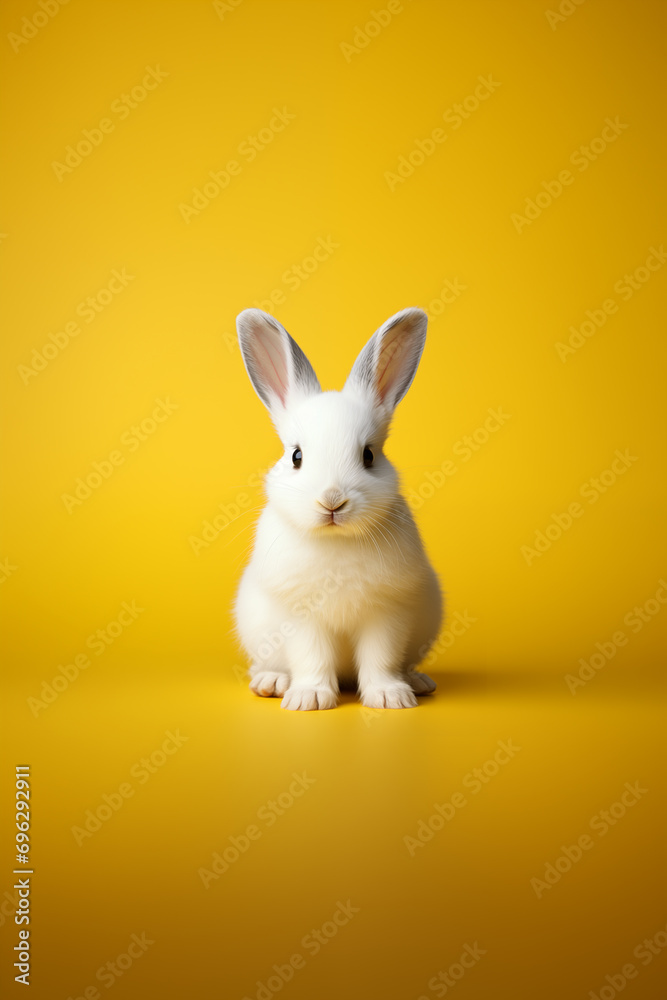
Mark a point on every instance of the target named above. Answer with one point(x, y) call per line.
point(332, 500)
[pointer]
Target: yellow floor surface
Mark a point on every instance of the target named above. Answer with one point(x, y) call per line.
point(350, 853)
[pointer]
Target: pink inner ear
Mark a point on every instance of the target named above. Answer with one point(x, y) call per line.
point(269, 355)
point(390, 359)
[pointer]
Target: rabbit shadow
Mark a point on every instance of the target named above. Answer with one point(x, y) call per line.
point(472, 683)
point(476, 682)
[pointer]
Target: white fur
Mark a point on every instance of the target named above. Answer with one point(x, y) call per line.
point(330, 595)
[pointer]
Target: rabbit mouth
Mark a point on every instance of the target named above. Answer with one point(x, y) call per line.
point(334, 510)
point(333, 521)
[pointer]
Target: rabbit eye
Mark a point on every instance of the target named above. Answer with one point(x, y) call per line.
point(368, 457)
point(296, 458)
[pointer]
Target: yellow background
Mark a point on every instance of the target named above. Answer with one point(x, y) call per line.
point(169, 334)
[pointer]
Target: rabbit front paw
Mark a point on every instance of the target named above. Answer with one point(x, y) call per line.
point(309, 699)
point(397, 695)
point(421, 683)
point(269, 684)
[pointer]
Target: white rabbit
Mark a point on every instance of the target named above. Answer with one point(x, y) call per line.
point(338, 581)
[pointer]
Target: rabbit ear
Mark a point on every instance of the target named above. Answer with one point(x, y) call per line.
point(388, 362)
point(276, 365)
